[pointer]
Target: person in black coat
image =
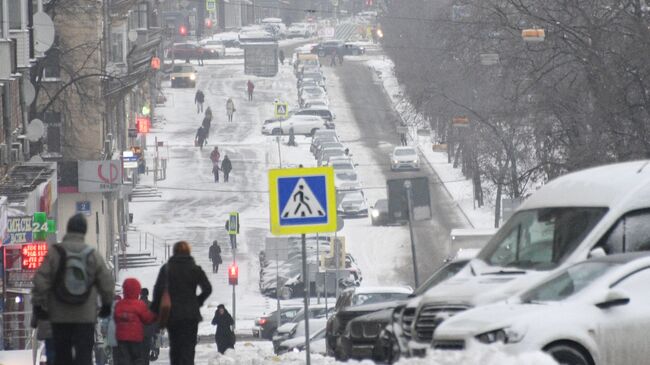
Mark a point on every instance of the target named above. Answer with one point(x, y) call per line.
point(224, 336)
point(214, 253)
point(201, 136)
point(181, 276)
point(226, 167)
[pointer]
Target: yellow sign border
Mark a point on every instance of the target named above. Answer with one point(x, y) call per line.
point(274, 201)
point(286, 110)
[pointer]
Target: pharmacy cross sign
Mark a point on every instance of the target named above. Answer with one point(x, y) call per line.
point(302, 200)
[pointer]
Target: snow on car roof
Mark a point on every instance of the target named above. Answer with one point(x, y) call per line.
point(623, 186)
point(382, 289)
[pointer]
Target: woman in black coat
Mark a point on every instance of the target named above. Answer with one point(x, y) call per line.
point(181, 276)
point(224, 336)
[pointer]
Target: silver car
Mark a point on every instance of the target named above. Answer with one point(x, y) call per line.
point(405, 158)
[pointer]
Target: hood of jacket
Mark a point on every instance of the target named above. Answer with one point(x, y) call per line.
point(131, 288)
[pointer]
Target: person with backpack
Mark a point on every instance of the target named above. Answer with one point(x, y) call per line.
point(131, 315)
point(72, 279)
point(177, 304)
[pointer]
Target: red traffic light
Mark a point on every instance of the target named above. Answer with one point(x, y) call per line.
point(208, 23)
point(233, 274)
point(142, 124)
point(182, 30)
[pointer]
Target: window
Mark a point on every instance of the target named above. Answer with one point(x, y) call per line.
point(138, 19)
point(540, 238)
point(631, 233)
point(15, 13)
point(52, 67)
point(117, 47)
point(54, 133)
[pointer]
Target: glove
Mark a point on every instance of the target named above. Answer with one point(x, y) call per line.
point(40, 313)
point(105, 311)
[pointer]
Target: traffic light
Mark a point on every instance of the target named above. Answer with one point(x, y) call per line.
point(142, 124)
point(208, 23)
point(233, 274)
point(182, 30)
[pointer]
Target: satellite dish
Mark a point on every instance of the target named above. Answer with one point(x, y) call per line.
point(133, 35)
point(29, 94)
point(35, 130)
point(36, 158)
point(43, 32)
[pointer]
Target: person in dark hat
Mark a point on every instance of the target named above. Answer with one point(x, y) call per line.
point(224, 336)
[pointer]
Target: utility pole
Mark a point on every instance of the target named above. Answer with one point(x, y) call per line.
point(409, 198)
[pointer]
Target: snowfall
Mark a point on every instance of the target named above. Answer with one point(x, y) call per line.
point(189, 205)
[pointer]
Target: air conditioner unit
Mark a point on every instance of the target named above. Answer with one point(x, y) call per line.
point(4, 156)
point(7, 65)
point(22, 46)
point(16, 152)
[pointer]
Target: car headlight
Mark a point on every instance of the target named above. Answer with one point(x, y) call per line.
point(173, 78)
point(504, 335)
point(395, 161)
point(374, 213)
point(192, 77)
point(415, 161)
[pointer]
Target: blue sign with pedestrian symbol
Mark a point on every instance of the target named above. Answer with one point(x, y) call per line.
point(302, 200)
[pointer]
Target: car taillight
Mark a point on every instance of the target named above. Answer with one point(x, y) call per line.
point(262, 321)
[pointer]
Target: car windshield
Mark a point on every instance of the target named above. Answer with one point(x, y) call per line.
point(347, 176)
point(404, 152)
point(540, 238)
point(352, 197)
point(370, 298)
point(568, 282)
point(183, 69)
point(439, 276)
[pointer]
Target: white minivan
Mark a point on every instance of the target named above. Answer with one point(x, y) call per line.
point(594, 212)
point(301, 124)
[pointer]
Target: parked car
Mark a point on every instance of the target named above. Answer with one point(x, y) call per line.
point(312, 93)
point(318, 141)
point(297, 332)
point(266, 325)
point(583, 214)
point(405, 158)
point(287, 330)
point(298, 30)
point(358, 297)
point(317, 337)
point(323, 112)
point(594, 312)
point(183, 75)
point(342, 165)
point(315, 76)
point(213, 48)
point(352, 204)
point(379, 213)
point(310, 101)
point(325, 145)
point(347, 180)
point(327, 153)
point(187, 51)
point(328, 47)
point(303, 124)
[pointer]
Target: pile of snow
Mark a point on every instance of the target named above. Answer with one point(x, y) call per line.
point(259, 353)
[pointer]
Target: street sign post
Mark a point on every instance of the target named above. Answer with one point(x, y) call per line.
point(281, 110)
point(302, 201)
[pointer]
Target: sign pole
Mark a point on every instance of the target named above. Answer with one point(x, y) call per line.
point(317, 265)
point(234, 298)
point(305, 280)
point(277, 284)
point(407, 185)
point(336, 259)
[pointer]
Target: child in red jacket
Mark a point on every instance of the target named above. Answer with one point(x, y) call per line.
point(131, 314)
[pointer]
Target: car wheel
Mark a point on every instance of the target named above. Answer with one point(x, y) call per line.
point(568, 354)
point(276, 131)
point(321, 53)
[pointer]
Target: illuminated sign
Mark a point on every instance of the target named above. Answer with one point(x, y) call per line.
point(142, 124)
point(32, 255)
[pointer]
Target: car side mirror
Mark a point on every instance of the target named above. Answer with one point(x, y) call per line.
point(597, 252)
point(614, 298)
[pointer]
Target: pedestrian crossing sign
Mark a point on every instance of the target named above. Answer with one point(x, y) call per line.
point(281, 110)
point(302, 200)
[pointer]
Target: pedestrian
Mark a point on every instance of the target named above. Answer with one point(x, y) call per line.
point(199, 139)
point(215, 157)
point(333, 58)
point(226, 167)
point(224, 336)
point(339, 53)
point(230, 109)
point(199, 98)
point(199, 57)
point(215, 256)
point(281, 56)
point(208, 113)
point(150, 330)
point(174, 294)
point(206, 124)
point(131, 316)
point(292, 138)
point(68, 266)
point(250, 87)
point(402, 139)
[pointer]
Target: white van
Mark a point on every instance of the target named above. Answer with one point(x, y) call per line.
point(593, 212)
